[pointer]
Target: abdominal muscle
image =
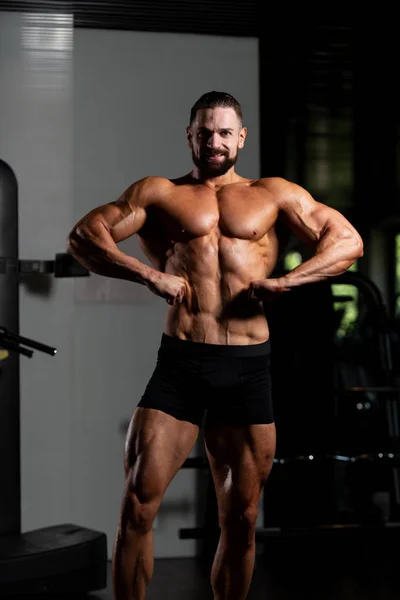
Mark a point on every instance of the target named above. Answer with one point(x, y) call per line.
point(206, 328)
point(216, 308)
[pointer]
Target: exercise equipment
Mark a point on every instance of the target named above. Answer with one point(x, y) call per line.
point(63, 265)
point(65, 558)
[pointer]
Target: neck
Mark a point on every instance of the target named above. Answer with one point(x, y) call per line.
point(216, 182)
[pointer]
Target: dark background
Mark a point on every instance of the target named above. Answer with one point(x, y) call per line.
point(329, 114)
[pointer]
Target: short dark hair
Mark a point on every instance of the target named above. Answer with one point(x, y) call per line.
point(213, 100)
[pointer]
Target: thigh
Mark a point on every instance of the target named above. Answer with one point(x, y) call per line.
point(156, 446)
point(240, 458)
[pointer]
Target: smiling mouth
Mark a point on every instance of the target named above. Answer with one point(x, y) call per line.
point(215, 157)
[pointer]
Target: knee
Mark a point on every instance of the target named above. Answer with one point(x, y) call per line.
point(240, 522)
point(139, 509)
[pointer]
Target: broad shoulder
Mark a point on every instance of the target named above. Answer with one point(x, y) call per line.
point(154, 182)
point(147, 191)
point(278, 186)
point(288, 194)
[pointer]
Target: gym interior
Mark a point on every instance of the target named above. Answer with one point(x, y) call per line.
point(95, 96)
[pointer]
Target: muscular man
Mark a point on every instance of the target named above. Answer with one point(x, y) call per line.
point(211, 238)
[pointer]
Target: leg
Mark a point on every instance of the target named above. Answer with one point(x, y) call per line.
point(157, 444)
point(240, 458)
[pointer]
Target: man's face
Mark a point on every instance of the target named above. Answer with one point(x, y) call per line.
point(215, 137)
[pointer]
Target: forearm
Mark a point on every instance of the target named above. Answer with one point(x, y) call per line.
point(108, 260)
point(329, 262)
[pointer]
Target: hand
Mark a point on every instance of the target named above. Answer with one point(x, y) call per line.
point(167, 286)
point(267, 289)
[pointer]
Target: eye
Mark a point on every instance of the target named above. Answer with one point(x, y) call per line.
point(225, 133)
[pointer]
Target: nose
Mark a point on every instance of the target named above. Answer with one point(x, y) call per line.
point(213, 141)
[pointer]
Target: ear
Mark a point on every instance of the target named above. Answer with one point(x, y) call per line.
point(242, 137)
point(189, 136)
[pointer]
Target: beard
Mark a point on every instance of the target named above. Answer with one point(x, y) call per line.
point(208, 169)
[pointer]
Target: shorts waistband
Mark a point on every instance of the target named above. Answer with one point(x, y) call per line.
point(191, 348)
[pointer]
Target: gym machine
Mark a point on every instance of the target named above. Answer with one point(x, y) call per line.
point(60, 559)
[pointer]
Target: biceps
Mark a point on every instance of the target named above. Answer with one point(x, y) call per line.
point(305, 225)
point(128, 221)
point(318, 225)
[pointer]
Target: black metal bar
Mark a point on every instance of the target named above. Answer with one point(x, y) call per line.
point(340, 529)
point(14, 347)
point(28, 267)
point(378, 457)
point(10, 496)
point(6, 335)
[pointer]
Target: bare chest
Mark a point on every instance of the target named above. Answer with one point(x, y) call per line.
point(243, 214)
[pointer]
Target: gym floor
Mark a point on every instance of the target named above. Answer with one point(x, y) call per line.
point(186, 579)
point(309, 578)
point(358, 565)
point(343, 566)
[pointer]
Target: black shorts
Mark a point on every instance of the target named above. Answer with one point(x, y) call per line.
point(221, 383)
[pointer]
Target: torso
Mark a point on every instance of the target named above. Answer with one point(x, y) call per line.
point(218, 241)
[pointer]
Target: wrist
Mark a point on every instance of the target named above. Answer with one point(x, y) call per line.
point(151, 276)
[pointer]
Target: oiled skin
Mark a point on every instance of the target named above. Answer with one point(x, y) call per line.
point(213, 245)
point(218, 242)
point(208, 243)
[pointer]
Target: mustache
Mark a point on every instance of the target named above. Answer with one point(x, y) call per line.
point(215, 153)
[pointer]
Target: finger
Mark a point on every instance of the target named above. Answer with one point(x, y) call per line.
point(253, 293)
point(182, 294)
